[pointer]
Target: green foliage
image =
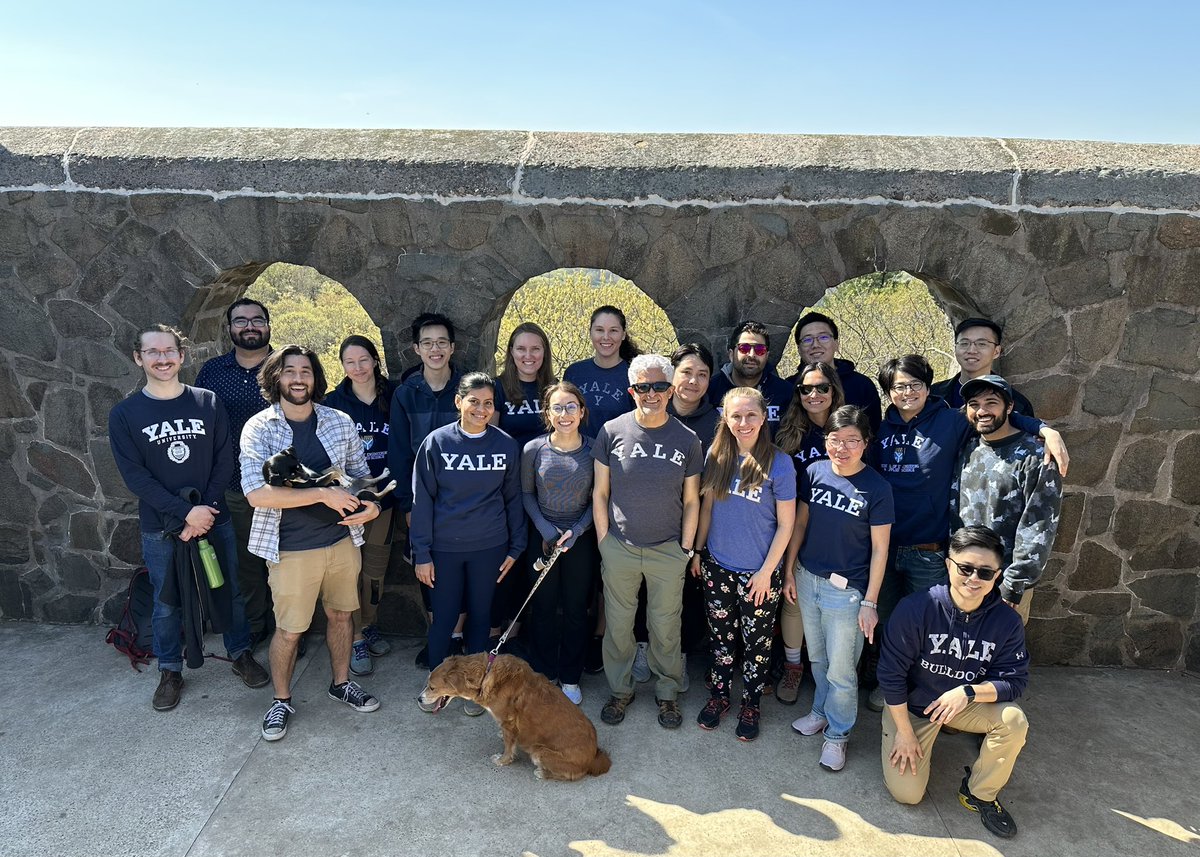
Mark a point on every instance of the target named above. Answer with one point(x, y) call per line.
point(310, 309)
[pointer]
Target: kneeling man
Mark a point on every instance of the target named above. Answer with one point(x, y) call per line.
point(954, 656)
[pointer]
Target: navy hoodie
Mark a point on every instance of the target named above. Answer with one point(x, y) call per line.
point(930, 646)
point(859, 390)
point(703, 421)
point(775, 390)
point(919, 459)
point(370, 422)
point(416, 411)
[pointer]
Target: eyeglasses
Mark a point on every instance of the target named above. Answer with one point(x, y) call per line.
point(809, 389)
point(646, 386)
point(756, 347)
point(977, 344)
point(823, 338)
point(441, 344)
point(982, 572)
point(913, 387)
point(242, 323)
point(155, 354)
point(836, 443)
point(559, 410)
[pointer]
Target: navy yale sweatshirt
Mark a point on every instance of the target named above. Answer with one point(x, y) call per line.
point(467, 493)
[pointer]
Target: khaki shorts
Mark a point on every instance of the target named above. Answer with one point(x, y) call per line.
point(301, 576)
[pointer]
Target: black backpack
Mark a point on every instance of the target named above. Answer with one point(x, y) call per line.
point(134, 634)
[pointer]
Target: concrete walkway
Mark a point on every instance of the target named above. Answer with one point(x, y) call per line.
point(90, 769)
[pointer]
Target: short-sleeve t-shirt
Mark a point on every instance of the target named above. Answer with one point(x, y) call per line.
point(315, 526)
point(647, 468)
point(744, 523)
point(841, 512)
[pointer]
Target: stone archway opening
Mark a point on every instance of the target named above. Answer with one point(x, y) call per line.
point(562, 301)
point(885, 315)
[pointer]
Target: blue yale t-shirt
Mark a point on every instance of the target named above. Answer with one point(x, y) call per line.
point(522, 422)
point(315, 526)
point(744, 523)
point(605, 392)
point(841, 512)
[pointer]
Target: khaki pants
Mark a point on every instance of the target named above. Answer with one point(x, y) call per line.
point(376, 555)
point(1023, 608)
point(1003, 726)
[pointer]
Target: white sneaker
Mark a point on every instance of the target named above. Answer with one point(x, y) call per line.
point(833, 756)
point(809, 724)
point(573, 693)
point(641, 666)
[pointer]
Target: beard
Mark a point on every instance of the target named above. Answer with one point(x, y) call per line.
point(292, 397)
point(996, 425)
point(251, 338)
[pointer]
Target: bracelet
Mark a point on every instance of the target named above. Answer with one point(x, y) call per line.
point(865, 603)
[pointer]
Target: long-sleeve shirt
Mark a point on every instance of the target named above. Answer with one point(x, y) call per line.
point(556, 488)
point(416, 410)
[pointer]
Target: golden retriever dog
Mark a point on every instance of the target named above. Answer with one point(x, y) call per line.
point(533, 714)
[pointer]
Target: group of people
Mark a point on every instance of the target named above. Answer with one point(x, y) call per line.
point(687, 501)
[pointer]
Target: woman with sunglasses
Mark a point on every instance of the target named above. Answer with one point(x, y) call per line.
point(556, 486)
point(603, 378)
point(747, 511)
point(801, 434)
point(843, 524)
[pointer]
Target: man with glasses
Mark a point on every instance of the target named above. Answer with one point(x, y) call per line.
point(234, 378)
point(167, 438)
point(1004, 483)
point(954, 656)
point(976, 348)
point(646, 507)
point(750, 366)
point(817, 340)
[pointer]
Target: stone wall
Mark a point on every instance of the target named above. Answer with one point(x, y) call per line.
point(1088, 253)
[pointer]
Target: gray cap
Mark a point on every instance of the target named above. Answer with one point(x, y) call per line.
point(987, 382)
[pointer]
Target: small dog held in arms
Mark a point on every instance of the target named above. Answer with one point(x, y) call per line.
point(533, 714)
point(285, 468)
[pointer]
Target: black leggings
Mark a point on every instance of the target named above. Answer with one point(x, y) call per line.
point(559, 640)
point(732, 615)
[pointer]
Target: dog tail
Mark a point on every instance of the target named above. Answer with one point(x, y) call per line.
point(600, 763)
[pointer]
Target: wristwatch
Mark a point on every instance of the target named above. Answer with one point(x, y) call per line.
point(689, 551)
point(969, 690)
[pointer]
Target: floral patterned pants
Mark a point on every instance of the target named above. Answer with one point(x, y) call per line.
point(731, 612)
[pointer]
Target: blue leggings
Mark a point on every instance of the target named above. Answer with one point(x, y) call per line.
point(455, 573)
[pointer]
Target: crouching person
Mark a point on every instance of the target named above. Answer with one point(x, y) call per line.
point(954, 656)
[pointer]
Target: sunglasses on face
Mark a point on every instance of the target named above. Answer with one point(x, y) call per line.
point(809, 389)
point(752, 347)
point(646, 386)
point(981, 571)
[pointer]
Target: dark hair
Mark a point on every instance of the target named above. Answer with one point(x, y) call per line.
point(693, 349)
point(796, 422)
point(910, 364)
point(180, 339)
point(629, 348)
point(272, 369)
point(977, 536)
point(245, 302)
point(848, 416)
point(815, 318)
point(431, 319)
point(473, 381)
point(510, 379)
point(562, 387)
point(980, 322)
point(383, 387)
point(748, 326)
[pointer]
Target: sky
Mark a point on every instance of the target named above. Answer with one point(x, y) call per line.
point(1059, 70)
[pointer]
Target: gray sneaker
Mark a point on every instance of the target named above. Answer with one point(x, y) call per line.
point(472, 708)
point(641, 666)
point(360, 659)
point(833, 756)
point(376, 642)
point(875, 700)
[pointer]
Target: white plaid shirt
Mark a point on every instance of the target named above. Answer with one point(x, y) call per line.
point(267, 433)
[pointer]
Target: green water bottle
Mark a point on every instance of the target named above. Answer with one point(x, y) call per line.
point(212, 568)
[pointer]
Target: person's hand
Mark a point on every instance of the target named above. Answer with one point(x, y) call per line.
point(760, 586)
point(339, 499)
point(947, 706)
point(906, 750)
point(424, 572)
point(188, 533)
point(1055, 449)
point(369, 511)
point(505, 567)
point(200, 519)
point(563, 539)
point(408, 520)
point(868, 618)
point(789, 587)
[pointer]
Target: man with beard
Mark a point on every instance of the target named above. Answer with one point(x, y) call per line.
point(234, 378)
point(749, 366)
point(1004, 483)
point(302, 532)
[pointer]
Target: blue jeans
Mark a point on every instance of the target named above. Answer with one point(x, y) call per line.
point(158, 552)
point(909, 570)
point(834, 644)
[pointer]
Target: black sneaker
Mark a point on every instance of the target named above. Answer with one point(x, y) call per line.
point(593, 661)
point(710, 715)
point(994, 816)
point(170, 686)
point(423, 657)
point(669, 716)
point(249, 670)
point(613, 711)
point(458, 646)
point(747, 728)
point(350, 693)
point(274, 725)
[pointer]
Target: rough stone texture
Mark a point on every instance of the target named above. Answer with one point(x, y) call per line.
point(1098, 302)
point(1172, 594)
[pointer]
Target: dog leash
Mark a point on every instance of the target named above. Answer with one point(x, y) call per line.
point(541, 564)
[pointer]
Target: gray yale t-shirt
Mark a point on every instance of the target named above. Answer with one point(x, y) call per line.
point(646, 472)
point(315, 526)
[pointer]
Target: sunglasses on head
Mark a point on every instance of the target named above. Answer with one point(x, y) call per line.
point(646, 386)
point(981, 571)
point(756, 347)
point(809, 389)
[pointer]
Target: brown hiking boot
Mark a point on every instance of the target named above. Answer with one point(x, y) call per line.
point(613, 711)
point(669, 715)
point(789, 686)
point(170, 685)
point(249, 670)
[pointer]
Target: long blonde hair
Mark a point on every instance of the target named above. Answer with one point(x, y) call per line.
point(723, 456)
